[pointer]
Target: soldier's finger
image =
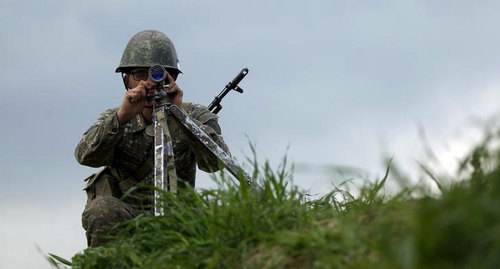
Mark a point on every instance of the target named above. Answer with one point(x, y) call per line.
point(138, 95)
point(173, 88)
point(145, 84)
point(170, 78)
point(130, 99)
point(140, 90)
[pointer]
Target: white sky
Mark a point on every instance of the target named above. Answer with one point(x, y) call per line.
point(339, 83)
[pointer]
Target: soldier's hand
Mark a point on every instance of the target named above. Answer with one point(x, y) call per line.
point(174, 93)
point(134, 102)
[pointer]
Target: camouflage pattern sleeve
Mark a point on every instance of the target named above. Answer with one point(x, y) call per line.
point(208, 123)
point(96, 148)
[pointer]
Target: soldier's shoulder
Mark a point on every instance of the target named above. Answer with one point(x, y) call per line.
point(198, 111)
point(107, 114)
point(109, 111)
point(194, 107)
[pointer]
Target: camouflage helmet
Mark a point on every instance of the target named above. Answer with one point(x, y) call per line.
point(148, 48)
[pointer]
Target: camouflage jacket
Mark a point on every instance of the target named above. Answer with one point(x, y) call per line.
point(127, 151)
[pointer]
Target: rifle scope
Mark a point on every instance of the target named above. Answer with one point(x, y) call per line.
point(157, 73)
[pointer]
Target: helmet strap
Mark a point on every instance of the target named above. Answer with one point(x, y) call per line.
point(125, 78)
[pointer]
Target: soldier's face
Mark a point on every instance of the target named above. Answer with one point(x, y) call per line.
point(135, 76)
point(141, 74)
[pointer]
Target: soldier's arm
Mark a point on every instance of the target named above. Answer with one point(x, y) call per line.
point(96, 148)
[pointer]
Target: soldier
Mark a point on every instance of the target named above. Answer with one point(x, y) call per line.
point(122, 141)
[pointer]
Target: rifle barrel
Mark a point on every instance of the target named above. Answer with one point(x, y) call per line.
point(239, 77)
point(215, 106)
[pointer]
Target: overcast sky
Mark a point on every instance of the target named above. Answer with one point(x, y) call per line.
point(338, 83)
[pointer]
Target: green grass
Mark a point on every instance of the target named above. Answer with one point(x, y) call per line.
point(275, 225)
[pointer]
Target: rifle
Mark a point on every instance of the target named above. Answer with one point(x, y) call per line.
point(215, 106)
point(165, 176)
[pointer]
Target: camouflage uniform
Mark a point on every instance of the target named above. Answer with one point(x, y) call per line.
point(127, 154)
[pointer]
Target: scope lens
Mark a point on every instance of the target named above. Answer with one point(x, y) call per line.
point(157, 73)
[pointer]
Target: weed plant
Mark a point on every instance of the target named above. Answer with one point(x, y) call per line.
point(272, 224)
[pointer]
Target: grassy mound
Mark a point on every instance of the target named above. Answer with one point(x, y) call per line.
point(274, 225)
